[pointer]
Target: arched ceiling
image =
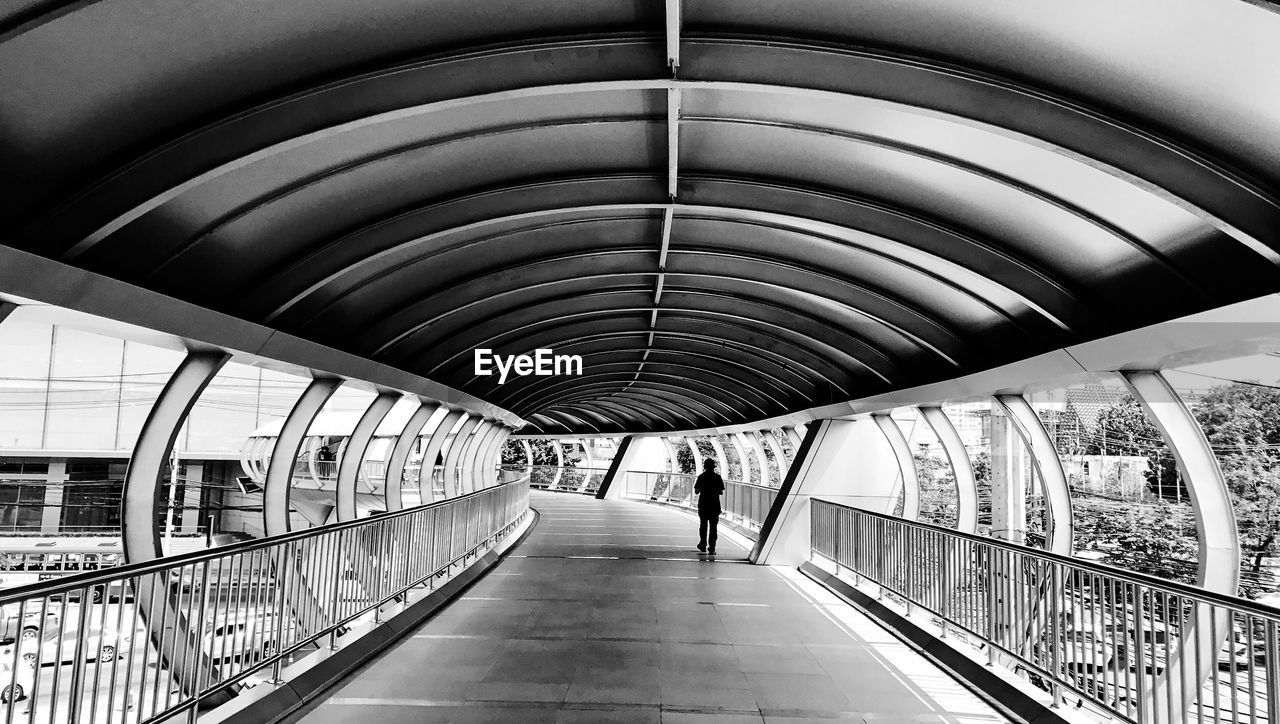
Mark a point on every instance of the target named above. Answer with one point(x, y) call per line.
point(730, 210)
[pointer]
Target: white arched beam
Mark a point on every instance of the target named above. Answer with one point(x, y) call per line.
point(426, 473)
point(1059, 527)
point(906, 465)
point(771, 439)
point(168, 628)
point(453, 458)
point(275, 493)
point(762, 461)
point(721, 459)
point(559, 447)
point(473, 468)
point(735, 439)
point(353, 454)
point(961, 468)
point(493, 457)
point(393, 492)
point(1218, 565)
point(528, 457)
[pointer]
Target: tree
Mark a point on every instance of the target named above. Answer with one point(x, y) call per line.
point(1123, 429)
point(1242, 423)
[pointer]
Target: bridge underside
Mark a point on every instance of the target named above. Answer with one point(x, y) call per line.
point(729, 211)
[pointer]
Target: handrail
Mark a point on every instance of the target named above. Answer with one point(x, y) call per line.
point(63, 584)
point(1136, 647)
point(746, 504)
point(163, 637)
point(1174, 587)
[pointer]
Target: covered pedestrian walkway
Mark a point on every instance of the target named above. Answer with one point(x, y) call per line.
point(606, 613)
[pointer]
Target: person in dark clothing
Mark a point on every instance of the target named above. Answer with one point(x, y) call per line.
point(709, 487)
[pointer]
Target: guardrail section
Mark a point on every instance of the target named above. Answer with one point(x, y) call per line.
point(743, 503)
point(1133, 646)
point(570, 480)
point(81, 649)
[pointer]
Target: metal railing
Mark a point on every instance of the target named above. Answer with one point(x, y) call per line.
point(573, 480)
point(743, 503)
point(82, 650)
point(1136, 647)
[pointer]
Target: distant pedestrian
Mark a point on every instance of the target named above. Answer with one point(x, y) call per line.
point(709, 487)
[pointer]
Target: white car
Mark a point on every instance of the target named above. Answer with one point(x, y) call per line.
point(33, 623)
point(14, 684)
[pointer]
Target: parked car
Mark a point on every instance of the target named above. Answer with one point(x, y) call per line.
point(15, 683)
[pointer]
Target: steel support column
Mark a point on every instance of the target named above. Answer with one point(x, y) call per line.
point(1218, 564)
point(757, 450)
point(392, 491)
point(559, 463)
point(275, 493)
point(454, 456)
point(139, 507)
point(493, 456)
point(692, 444)
point(472, 461)
point(353, 456)
point(906, 464)
point(794, 436)
point(961, 468)
point(771, 439)
point(1059, 527)
point(735, 440)
point(721, 459)
point(528, 457)
point(426, 473)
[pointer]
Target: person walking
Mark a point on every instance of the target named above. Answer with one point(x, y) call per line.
point(709, 486)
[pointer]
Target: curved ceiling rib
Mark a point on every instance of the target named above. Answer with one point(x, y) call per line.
point(854, 201)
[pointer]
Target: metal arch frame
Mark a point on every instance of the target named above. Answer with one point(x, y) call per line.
point(139, 533)
point(882, 326)
point(353, 456)
point(628, 380)
point(555, 481)
point(641, 417)
point(1060, 523)
point(847, 237)
point(393, 491)
point(961, 467)
point(586, 451)
point(793, 436)
point(916, 64)
point(828, 352)
point(426, 473)
point(672, 458)
point(1027, 189)
point(721, 459)
point(485, 293)
point(774, 380)
point(474, 474)
point(746, 342)
point(744, 443)
point(528, 456)
point(753, 440)
point(906, 464)
point(638, 396)
point(1218, 562)
point(628, 304)
point(140, 501)
point(385, 153)
point(749, 395)
point(692, 443)
point(775, 447)
point(736, 443)
point(479, 479)
point(774, 217)
point(493, 458)
point(454, 455)
point(276, 489)
point(479, 438)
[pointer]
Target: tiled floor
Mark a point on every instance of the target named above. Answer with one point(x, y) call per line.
point(608, 614)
